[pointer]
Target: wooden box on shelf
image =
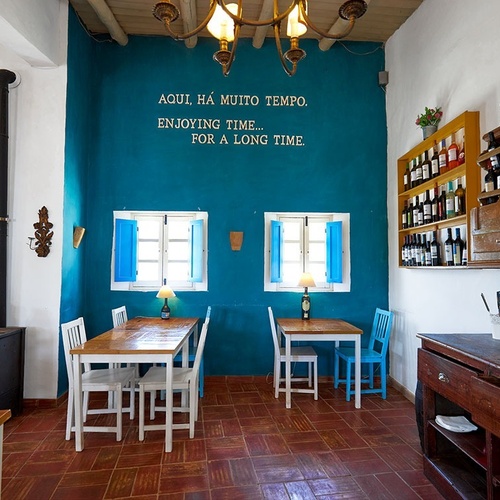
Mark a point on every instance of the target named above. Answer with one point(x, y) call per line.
point(468, 123)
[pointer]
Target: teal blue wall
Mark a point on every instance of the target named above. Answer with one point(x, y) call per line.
point(133, 165)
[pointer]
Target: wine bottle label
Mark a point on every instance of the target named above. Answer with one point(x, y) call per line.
point(425, 171)
point(442, 160)
point(452, 154)
point(448, 251)
point(405, 181)
point(489, 186)
point(418, 174)
point(435, 167)
point(450, 206)
point(413, 176)
point(494, 162)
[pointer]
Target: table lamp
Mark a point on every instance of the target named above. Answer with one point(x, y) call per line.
point(165, 293)
point(306, 280)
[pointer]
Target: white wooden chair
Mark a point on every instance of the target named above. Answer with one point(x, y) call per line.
point(299, 354)
point(184, 379)
point(94, 380)
point(119, 316)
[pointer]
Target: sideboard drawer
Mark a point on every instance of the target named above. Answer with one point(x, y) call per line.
point(449, 379)
point(486, 403)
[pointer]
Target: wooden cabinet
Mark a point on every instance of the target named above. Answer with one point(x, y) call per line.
point(12, 369)
point(460, 375)
point(467, 126)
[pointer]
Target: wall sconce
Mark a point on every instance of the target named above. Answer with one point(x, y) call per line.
point(43, 234)
point(236, 240)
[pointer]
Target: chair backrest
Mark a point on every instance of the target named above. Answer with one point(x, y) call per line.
point(381, 331)
point(273, 332)
point(73, 335)
point(201, 346)
point(209, 310)
point(119, 316)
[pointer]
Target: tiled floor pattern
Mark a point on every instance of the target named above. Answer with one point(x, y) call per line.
point(247, 446)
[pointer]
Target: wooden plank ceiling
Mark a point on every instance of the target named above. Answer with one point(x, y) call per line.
point(120, 18)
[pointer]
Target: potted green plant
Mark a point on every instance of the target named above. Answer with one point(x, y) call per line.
point(428, 121)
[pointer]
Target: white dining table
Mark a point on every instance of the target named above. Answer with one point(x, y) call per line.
point(320, 330)
point(138, 340)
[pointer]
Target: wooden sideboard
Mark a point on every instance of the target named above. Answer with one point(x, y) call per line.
point(12, 342)
point(460, 375)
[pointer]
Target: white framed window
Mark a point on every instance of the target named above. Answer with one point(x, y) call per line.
point(154, 248)
point(317, 243)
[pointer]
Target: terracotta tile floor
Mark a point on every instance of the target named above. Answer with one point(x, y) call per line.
point(247, 446)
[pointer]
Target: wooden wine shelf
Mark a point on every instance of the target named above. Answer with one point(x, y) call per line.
point(468, 122)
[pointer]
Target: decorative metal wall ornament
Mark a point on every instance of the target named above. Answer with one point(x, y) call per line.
point(43, 233)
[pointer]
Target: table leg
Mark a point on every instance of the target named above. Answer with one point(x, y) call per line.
point(357, 372)
point(169, 402)
point(288, 371)
point(77, 398)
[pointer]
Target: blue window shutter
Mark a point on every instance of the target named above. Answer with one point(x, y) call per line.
point(276, 245)
point(196, 264)
point(334, 252)
point(125, 250)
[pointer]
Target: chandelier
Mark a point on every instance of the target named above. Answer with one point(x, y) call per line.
point(224, 22)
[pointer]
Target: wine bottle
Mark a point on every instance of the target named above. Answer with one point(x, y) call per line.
point(415, 212)
point(435, 162)
point(435, 250)
point(409, 213)
point(418, 251)
point(489, 184)
point(427, 247)
point(443, 158)
point(458, 248)
point(413, 250)
point(406, 177)
point(404, 252)
point(422, 250)
point(442, 203)
point(452, 154)
point(448, 249)
point(464, 254)
point(461, 153)
point(418, 172)
point(450, 202)
point(404, 216)
point(413, 174)
point(427, 209)
point(421, 213)
point(495, 159)
point(459, 199)
point(426, 167)
point(435, 204)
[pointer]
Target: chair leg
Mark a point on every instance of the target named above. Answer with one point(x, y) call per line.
point(348, 381)
point(119, 412)
point(277, 376)
point(201, 375)
point(371, 375)
point(152, 402)
point(69, 418)
point(309, 372)
point(315, 380)
point(141, 413)
point(132, 399)
point(85, 405)
point(193, 407)
point(383, 379)
point(336, 371)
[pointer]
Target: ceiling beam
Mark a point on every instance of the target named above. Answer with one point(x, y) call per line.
point(188, 14)
point(260, 32)
point(109, 20)
point(338, 26)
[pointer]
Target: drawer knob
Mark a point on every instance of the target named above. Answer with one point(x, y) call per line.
point(443, 378)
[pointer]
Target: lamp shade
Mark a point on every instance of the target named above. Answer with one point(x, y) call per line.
point(165, 292)
point(221, 26)
point(306, 280)
point(296, 25)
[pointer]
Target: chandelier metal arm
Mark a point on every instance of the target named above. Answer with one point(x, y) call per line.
point(325, 34)
point(184, 36)
point(226, 68)
point(288, 71)
point(277, 18)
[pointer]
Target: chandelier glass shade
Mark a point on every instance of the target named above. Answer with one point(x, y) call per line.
point(224, 22)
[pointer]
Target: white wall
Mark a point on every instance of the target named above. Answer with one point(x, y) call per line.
point(36, 178)
point(446, 54)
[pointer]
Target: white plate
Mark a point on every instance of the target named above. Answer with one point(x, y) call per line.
point(455, 424)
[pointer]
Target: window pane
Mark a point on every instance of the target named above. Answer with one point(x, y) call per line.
point(317, 252)
point(148, 271)
point(148, 250)
point(292, 230)
point(318, 272)
point(149, 229)
point(317, 231)
point(291, 251)
point(177, 272)
point(292, 272)
point(178, 250)
point(178, 229)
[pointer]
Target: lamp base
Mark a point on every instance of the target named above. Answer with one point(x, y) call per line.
point(306, 306)
point(165, 311)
